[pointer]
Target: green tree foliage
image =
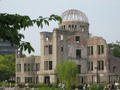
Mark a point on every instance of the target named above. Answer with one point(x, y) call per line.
point(33, 56)
point(67, 73)
point(7, 67)
point(10, 24)
point(115, 47)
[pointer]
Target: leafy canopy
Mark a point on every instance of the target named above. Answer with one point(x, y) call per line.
point(7, 67)
point(11, 24)
point(67, 73)
point(115, 47)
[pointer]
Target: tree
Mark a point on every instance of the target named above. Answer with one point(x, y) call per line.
point(7, 67)
point(11, 24)
point(115, 47)
point(67, 73)
point(33, 56)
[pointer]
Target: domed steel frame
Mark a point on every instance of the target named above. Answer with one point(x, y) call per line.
point(74, 15)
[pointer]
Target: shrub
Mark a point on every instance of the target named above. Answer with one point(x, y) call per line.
point(2, 83)
point(94, 86)
point(12, 84)
point(47, 88)
point(37, 85)
point(21, 85)
point(54, 85)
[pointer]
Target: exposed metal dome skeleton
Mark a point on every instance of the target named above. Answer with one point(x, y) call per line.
point(74, 15)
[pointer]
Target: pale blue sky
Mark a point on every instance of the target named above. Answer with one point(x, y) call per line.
point(103, 15)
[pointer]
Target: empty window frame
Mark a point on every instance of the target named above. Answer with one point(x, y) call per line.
point(61, 37)
point(64, 26)
point(45, 65)
point(18, 80)
point(48, 65)
point(101, 65)
point(75, 26)
point(69, 26)
point(77, 39)
point(28, 67)
point(47, 49)
point(90, 65)
point(18, 67)
point(72, 26)
point(37, 66)
point(100, 49)
point(50, 49)
point(25, 67)
point(90, 50)
point(37, 79)
point(114, 69)
point(28, 79)
point(61, 49)
point(78, 53)
point(79, 68)
point(46, 38)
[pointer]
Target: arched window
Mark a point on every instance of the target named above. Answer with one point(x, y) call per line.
point(69, 26)
point(72, 26)
point(75, 26)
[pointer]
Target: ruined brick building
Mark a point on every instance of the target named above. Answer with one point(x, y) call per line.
point(71, 41)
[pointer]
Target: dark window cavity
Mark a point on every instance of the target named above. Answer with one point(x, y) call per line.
point(61, 48)
point(37, 66)
point(47, 49)
point(77, 38)
point(28, 80)
point(100, 49)
point(48, 65)
point(101, 65)
point(78, 53)
point(90, 50)
point(90, 66)
point(18, 67)
point(79, 68)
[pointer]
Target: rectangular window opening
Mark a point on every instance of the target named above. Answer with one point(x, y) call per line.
point(46, 38)
point(78, 53)
point(28, 79)
point(100, 49)
point(50, 65)
point(79, 68)
point(50, 49)
point(90, 50)
point(100, 65)
point(61, 37)
point(45, 65)
point(47, 49)
point(18, 67)
point(37, 66)
point(90, 66)
point(61, 48)
point(77, 38)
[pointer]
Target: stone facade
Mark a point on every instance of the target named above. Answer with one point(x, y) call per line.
point(71, 41)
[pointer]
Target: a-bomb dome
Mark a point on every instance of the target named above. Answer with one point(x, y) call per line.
point(74, 15)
